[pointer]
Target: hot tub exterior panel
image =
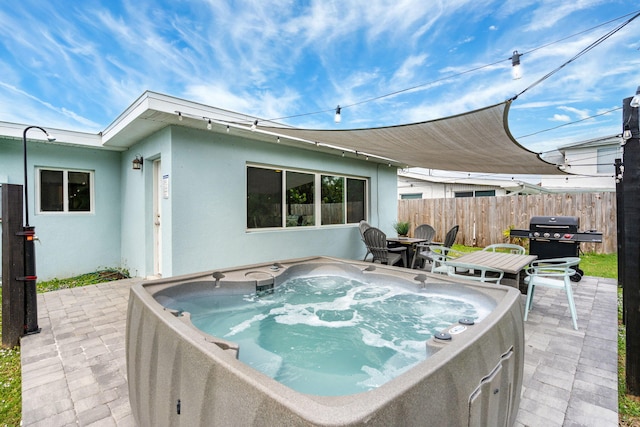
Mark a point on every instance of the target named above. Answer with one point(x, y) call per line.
point(177, 377)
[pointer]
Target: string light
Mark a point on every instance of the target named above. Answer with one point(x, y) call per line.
point(179, 116)
point(209, 126)
point(338, 117)
point(516, 70)
point(254, 125)
point(227, 128)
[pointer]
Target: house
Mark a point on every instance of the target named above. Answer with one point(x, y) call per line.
point(590, 165)
point(413, 185)
point(174, 186)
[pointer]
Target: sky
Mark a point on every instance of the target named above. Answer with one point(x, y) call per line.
point(77, 65)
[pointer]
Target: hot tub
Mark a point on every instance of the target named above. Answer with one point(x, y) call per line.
point(179, 375)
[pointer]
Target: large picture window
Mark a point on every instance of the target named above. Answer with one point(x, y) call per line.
point(289, 198)
point(62, 190)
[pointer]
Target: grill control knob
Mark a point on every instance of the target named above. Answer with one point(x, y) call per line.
point(547, 235)
point(536, 234)
point(556, 235)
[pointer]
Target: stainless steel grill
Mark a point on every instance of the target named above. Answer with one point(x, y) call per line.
point(557, 237)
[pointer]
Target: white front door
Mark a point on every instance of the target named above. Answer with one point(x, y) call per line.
point(157, 218)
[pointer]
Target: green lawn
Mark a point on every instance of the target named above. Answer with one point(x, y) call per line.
point(10, 383)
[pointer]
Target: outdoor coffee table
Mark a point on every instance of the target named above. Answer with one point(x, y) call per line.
point(511, 264)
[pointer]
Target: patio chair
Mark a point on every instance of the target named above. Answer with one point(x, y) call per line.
point(422, 252)
point(479, 273)
point(363, 226)
point(552, 273)
point(510, 247)
point(376, 242)
point(450, 238)
point(439, 257)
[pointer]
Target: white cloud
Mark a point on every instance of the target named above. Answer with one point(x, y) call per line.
point(581, 113)
point(407, 70)
point(560, 118)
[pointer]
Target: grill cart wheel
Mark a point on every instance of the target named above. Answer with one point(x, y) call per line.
point(578, 276)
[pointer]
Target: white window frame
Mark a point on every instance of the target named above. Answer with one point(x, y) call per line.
point(65, 192)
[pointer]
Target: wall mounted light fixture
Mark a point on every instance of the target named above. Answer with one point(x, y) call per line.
point(137, 162)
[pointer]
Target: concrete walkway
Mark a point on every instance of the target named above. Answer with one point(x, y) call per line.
point(74, 373)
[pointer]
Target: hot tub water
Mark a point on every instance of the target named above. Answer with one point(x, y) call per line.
point(330, 335)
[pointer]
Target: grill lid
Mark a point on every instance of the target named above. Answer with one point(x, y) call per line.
point(554, 221)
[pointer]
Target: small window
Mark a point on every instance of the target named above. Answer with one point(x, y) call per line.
point(409, 196)
point(606, 160)
point(485, 193)
point(65, 191)
point(464, 193)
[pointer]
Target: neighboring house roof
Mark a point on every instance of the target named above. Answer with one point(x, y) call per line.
point(513, 186)
point(590, 143)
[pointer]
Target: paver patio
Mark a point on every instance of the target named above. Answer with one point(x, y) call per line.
point(74, 370)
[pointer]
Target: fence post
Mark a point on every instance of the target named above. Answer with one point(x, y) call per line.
point(631, 245)
point(13, 310)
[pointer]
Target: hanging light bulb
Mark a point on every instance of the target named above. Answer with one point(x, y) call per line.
point(179, 116)
point(516, 70)
point(254, 125)
point(338, 117)
point(209, 124)
point(227, 128)
point(626, 135)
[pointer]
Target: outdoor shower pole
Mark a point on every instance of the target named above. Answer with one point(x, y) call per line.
point(29, 234)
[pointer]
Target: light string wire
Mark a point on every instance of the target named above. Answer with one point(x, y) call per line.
point(578, 55)
point(600, 40)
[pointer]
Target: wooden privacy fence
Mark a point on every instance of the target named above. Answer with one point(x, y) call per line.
point(483, 220)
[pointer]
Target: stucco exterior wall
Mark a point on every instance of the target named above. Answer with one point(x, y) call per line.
point(70, 243)
point(204, 216)
point(203, 213)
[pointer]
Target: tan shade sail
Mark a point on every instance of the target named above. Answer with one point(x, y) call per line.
point(477, 141)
